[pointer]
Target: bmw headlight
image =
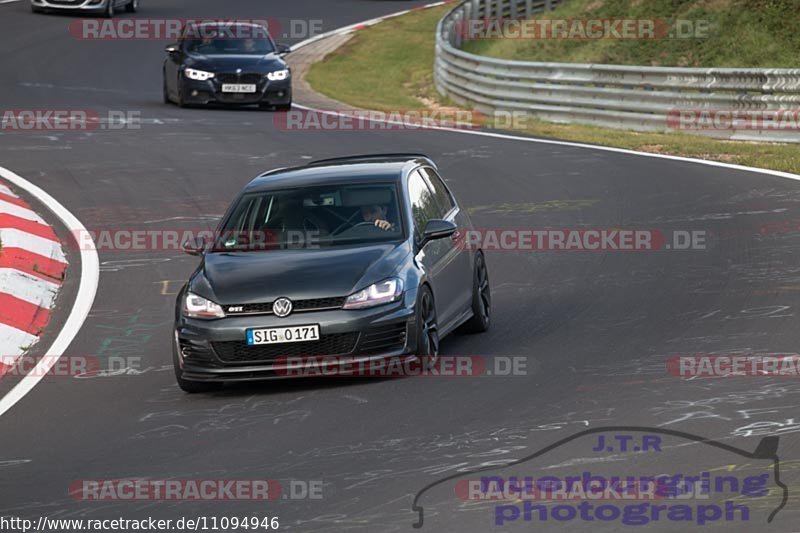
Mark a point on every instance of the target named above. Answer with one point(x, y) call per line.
point(383, 292)
point(199, 75)
point(278, 75)
point(195, 306)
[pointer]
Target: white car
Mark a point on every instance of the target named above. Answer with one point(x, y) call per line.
point(105, 7)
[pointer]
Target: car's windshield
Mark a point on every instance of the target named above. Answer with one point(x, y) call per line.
point(313, 217)
point(252, 40)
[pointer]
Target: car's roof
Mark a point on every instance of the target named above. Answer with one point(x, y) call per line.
point(358, 169)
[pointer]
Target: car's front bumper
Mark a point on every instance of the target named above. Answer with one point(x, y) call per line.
point(81, 6)
point(216, 350)
point(210, 92)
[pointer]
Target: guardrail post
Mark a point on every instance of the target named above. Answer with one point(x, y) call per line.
point(548, 5)
point(514, 9)
point(528, 9)
point(475, 12)
point(458, 27)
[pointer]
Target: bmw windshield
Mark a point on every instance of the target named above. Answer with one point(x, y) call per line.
point(313, 217)
point(228, 40)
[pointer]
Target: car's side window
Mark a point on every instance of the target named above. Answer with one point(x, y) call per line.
point(443, 196)
point(423, 202)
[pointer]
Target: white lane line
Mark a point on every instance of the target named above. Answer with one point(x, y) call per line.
point(14, 238)
point(26, 287)
point(505, 136)
point(19, 211)
point(353, 27)
point(14, 337)
point(8, 1)
point(87, 290)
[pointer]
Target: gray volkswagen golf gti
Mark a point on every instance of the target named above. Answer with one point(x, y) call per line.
point(350, 260)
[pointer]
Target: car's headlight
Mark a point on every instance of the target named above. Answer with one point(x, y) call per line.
point(199, 75)
point(195, 306)
point(278, 75)
point(383, 292)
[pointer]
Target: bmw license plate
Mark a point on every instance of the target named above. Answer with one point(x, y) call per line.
point(281, 335)
point(238, 88)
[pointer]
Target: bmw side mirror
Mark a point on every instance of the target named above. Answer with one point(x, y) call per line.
point(194, 246)
point(171, 49)
point(284, 49)
point(437, 229)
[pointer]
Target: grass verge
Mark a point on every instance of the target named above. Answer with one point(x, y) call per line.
point(696, 33)
point(389, 67)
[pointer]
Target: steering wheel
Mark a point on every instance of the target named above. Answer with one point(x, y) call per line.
point(341, 227)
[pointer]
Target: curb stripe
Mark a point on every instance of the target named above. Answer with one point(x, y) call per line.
point(6, 190)
point(34, 290)
point(15, 200)
point(18, 211)
point(33, 264)
point(17, 339)
point(28, 226)
point(14, 238)
point(89, 278)
point(23, 315)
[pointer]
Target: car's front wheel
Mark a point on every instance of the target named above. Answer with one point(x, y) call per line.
point(191, 386)
point(427, 328)
point(109, 12)
point(481, 298)
point(166, 91)
point(132, 6)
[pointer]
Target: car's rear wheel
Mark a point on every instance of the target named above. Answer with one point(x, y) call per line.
point(132, 6)
point(427, 328)
point(481, 298)
point(191, 386)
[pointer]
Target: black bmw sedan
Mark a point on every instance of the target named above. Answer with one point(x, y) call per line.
point(354, 259)
point(228, 63)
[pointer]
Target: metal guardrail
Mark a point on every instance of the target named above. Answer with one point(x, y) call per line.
point(731, 103)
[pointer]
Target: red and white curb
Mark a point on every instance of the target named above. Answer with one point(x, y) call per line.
point(32, 266)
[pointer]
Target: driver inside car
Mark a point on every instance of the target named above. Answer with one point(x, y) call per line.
point(377, 215)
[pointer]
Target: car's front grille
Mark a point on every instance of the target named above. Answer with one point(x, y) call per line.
point(247, 78)
point(66, 2)
point(383, 339)
point(314, 304)
point(240, 352)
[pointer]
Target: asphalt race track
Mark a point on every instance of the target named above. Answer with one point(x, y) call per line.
point(596, 327)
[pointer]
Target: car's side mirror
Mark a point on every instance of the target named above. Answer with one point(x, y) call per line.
point(284, 49)
point(194, 246)
point(172, 49)
point(437, 229)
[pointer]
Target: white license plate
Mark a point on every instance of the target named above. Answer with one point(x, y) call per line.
point(238, 88)
point(281, 335)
